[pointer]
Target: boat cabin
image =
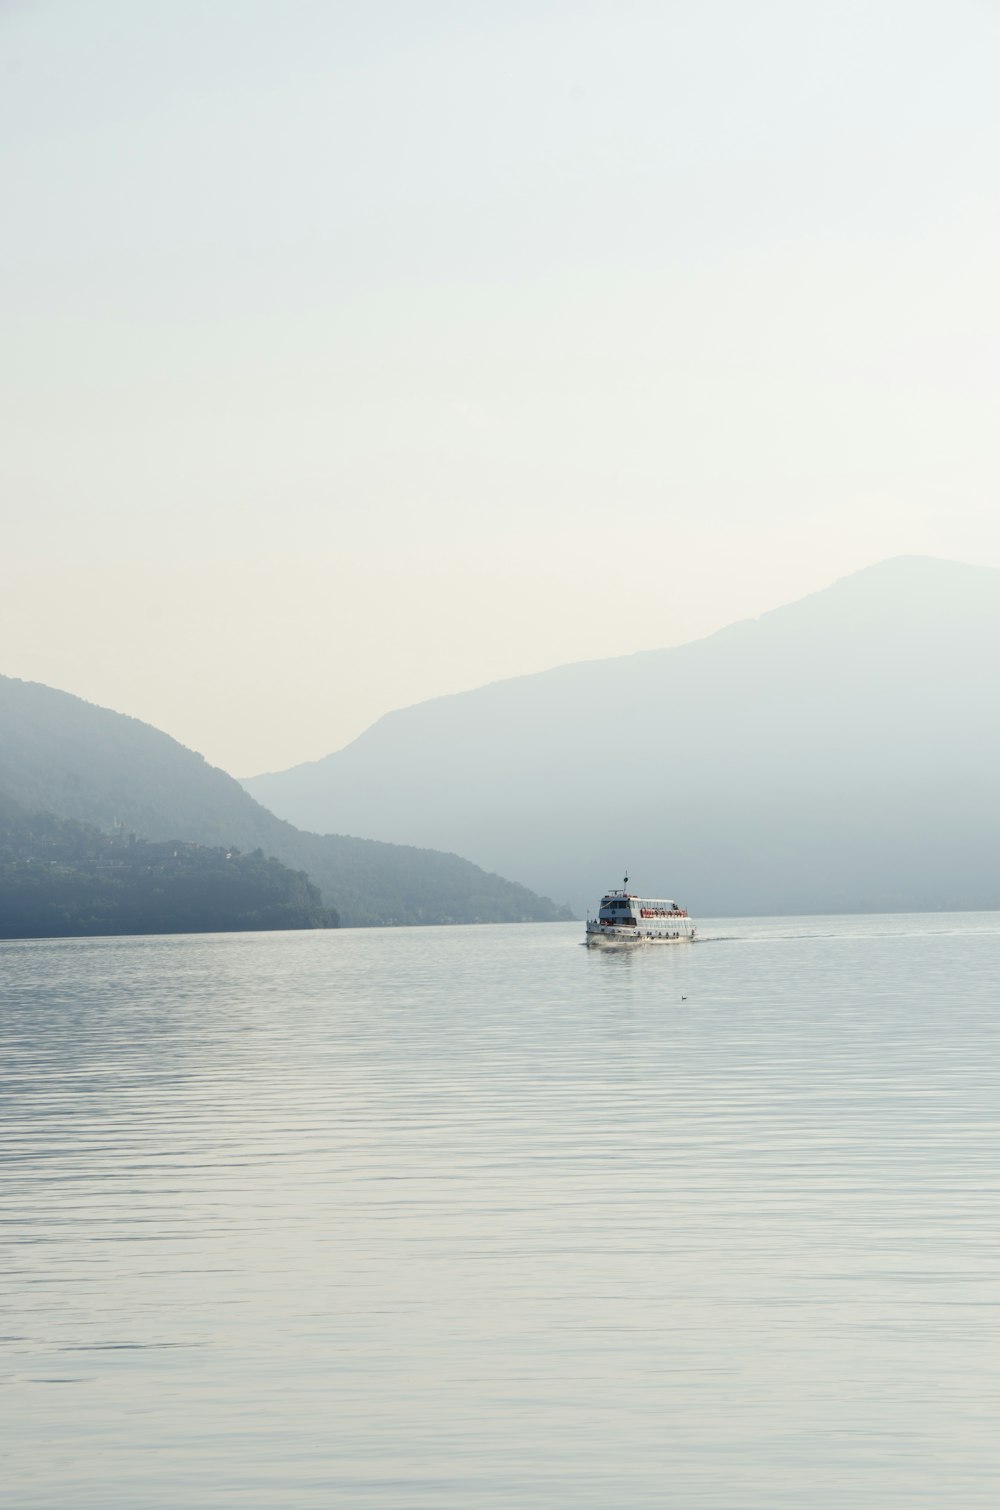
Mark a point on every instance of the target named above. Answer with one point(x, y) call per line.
point(622, 909)
point(616, 907)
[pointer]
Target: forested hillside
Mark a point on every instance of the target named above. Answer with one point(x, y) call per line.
point(60, 878)
point(66, 756)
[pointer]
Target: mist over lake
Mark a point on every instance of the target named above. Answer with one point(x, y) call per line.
point(460, 461)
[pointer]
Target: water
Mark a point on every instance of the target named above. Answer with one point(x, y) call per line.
point(448, 1218)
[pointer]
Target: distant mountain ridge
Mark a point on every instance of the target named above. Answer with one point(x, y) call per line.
point(838, 753)
point(63, 755)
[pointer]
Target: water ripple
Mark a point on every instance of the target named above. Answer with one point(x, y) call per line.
point(457, 1217)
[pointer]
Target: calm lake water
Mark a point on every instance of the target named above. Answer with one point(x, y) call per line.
point(451, 1218)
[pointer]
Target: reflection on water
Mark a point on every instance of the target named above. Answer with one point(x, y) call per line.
point(459, 1217)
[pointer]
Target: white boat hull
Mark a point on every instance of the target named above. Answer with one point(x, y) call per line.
point(616, 938)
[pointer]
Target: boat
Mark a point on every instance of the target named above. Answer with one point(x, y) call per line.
point(623, 918)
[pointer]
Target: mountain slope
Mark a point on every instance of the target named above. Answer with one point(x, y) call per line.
point(63, 755)
point(60, 878)
point(838, 753)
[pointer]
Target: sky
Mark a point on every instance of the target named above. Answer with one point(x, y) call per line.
point(354, 354)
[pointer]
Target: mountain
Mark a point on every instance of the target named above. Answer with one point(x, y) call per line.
point(65, 756)
point(59, 878)
point(837, 754)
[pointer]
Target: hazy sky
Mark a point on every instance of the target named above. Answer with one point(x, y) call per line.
point(355, 353)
